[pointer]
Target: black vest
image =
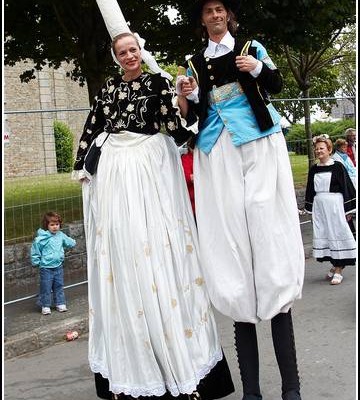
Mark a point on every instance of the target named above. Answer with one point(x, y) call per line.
point(255, 89)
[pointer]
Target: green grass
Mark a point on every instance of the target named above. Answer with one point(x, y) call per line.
point(299, 166)
point(27, 199)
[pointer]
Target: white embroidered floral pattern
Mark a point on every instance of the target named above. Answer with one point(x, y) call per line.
point(163, 110)
point(152, 97)
point(171, 126)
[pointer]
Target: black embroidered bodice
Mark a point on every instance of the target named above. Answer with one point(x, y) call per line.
point(142, 105)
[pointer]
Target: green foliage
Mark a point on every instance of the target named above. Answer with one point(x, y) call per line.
point(54, 31)
point(326, 72)
point(324, 83)
point(172, 69)
point(296, 137)
point(347, 65)
point(304, 25)
point(64, 147)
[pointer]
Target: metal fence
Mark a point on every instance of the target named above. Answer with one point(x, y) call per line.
point(35, 182)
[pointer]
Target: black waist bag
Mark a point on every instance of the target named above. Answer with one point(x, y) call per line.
point(92, 157)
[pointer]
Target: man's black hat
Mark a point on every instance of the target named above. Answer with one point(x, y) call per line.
point(196, 10)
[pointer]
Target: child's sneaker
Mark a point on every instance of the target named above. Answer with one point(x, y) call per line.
point(45, 310)
point(61, 308)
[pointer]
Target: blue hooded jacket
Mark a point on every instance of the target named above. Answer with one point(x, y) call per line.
point(47, 250)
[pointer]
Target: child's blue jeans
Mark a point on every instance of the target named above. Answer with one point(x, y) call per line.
point(52, 279)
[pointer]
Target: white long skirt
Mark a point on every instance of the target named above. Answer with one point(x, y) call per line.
point(151, 324)
point(249, 232)
point(332, 236)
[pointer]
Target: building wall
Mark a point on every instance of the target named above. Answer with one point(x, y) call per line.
point(31, 148)
point(344, 108)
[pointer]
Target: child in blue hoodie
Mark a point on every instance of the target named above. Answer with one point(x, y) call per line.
point(47, 253)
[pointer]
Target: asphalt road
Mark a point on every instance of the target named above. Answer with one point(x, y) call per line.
point(325, 335)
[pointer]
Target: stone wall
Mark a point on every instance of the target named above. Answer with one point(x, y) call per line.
point(31, 147)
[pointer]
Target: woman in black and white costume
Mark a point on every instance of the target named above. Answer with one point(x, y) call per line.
point(152, 329)
point(330, 198)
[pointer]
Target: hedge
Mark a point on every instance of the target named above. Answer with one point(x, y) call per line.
point(296, 138)
point(64, 146)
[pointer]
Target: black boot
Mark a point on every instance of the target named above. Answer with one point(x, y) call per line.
point(284, 345)
point(248, 359)
point(291, 395)
point(252, 397)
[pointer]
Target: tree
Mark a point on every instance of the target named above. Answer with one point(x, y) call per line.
point(303, 30)
point(48, 31)
point(73, 30)
point(310, 65)
point(52, 31)
point(324, 84)
point(347, 66)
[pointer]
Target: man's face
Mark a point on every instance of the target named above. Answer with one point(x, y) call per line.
point(351, 138)
point(214, 17)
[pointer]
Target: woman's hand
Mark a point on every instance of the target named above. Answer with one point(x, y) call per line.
point(79, 176)
point(188, 85)
point(185, 85)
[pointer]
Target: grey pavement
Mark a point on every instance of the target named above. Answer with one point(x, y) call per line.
point(26, 329)
point(324, 324)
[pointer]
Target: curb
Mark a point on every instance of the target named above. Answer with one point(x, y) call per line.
point(25, 342)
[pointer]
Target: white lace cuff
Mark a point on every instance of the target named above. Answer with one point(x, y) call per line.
point(78, 174)
point(194, 95)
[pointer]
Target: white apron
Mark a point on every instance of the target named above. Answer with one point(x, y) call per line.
point(332, 236)
point(151, 324)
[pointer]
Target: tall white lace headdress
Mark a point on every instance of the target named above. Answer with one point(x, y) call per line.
point(116, 24)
